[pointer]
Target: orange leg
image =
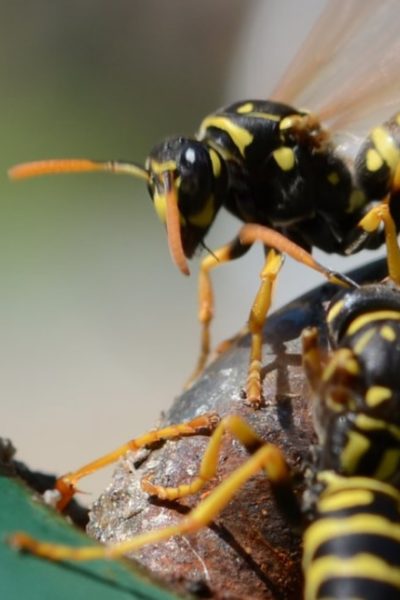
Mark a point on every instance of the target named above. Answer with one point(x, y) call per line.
point(66, 485)
point(258, 314)
point(225, 254)
point(264, 456)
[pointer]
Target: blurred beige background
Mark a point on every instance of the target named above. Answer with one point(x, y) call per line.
point(98, 328)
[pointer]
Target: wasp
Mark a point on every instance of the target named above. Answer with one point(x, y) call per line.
point(271, 164)
point(350, 510)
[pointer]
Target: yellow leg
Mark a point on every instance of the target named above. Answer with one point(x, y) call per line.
point(232, 424)
point(257, 318)
point(223, 255)
point(381, 214)
point(66, 485)
point(266, 456)
point(252, 232)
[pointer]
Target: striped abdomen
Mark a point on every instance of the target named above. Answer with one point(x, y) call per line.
point(352, 547)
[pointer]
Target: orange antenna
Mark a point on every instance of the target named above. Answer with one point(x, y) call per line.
point(75, 165)
point(173, 226)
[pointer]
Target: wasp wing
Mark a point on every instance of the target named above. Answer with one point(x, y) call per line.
point(347, 70)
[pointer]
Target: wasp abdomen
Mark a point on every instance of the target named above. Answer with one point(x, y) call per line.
point(352, 548)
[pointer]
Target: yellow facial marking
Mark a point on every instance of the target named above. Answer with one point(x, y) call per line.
point(346, 499)
point(397, 119)
point(378, 315)
point(160, 205)
point(388, 333)
point(215, 162)
point(205, 216)
point(157, 168)
point(245, 108)
point(373, 160)
point(357, 445)
point(239, 135)
point(335, 310)
point(386, 146)
point(364, 340)
point(377, 394)
point(333, 178)
point(285, 158)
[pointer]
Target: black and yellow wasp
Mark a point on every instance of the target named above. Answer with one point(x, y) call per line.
point(276, 167)
point(269, 163)
point(351, 508)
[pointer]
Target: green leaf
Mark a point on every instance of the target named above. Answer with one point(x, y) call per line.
point(25, 576)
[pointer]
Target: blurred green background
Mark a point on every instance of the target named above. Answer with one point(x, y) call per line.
point(98, 328)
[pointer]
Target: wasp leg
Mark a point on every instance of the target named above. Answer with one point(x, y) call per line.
point(381, 214)
point(265, 457)
point(232, 424)
point(252, 232)
point(66, 485)
point(235, 249)
point(258, 314)
point(225, 345)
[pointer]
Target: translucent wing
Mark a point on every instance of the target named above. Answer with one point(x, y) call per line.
point(348, 69)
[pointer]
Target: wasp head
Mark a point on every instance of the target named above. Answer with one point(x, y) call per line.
point(186, 180)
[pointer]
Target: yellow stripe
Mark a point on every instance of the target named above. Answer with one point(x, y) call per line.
point(337, 483)
point(335, 310)
point(388, 333)
point(364, 340)
point(386, 146)
point(284, 157)
point(239, 135)
point(377, 394)
point(215, 162)
point(373, 160)
point(245, 108)
point(367, 423)
point(346, 499)
point(356, 446)
point(365, 566)
point(325, 530)
point(378, 315)
point(265, 116)
point(388, 465)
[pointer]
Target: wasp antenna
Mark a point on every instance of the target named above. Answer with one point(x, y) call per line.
point(75, 165)
point(173, 227)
